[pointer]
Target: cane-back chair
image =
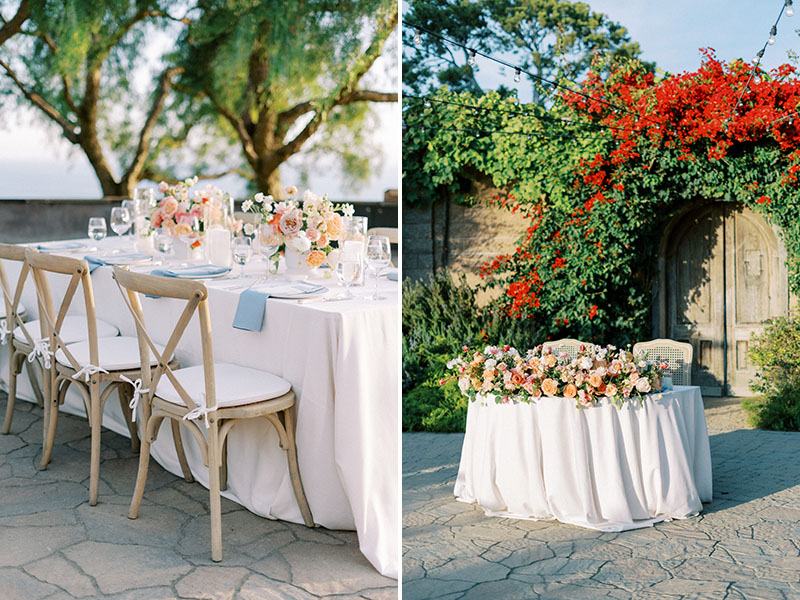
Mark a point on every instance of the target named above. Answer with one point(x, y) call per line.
point(207, 399)
point(87, 364)
point(677, 355)
point(568, 345)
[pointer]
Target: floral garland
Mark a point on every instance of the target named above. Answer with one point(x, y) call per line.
point(307, 225)
point(595, 373)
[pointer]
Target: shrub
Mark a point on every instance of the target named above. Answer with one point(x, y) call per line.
point(776, 354)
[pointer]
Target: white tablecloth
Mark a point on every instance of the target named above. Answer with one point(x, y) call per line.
point(603, 468)
point(342, 361)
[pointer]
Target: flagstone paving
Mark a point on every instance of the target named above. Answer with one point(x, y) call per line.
point(743, 546)
point(54, 546)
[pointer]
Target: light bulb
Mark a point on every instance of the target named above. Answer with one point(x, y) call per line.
point(471, 60)
point(417, 38)
point(427, 103)
point(517, 76)
point(789, 9)
point(772, 33)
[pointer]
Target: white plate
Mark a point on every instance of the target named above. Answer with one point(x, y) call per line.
point(65, 246)
point(127, 260)
point(290, 291)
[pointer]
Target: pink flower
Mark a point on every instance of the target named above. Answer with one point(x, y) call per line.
point(322, 242)
point(156, 219)
point(163, 187)
point(196, 213)
point(312, 234)
point(292, 222)
point(169, 205)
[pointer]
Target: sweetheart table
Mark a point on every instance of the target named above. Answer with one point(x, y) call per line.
point(341, 359)
point(600, 467)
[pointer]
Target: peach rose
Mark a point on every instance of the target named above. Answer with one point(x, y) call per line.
point(595, 380)
point(550, 360)
point(157, 218)
point(315, 258)
point(291, 190)
point(611, 390)
point(169, 205)
point(528, 387)
point(333, 226)
point(517, 378)
point(534, 362)
point(550, 387)
point(181, 229)
point(488, 373)
point(312, 234)
point(322, 240)
point(292, 222)
point(502, 367)
point(570, 391)
point(585, 399)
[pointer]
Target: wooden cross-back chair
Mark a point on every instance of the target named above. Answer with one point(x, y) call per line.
point(15, 331)
point(568, 345)
point(208, 399)
point(88, 364)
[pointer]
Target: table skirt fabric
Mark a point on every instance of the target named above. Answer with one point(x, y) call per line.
point(602, 468)
point(341, 359)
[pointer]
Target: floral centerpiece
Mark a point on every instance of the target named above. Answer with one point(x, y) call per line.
point(306, 225)
point(595, 373)
point(182, 206)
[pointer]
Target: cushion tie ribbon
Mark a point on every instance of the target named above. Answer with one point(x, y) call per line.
point(137, 393)
point(41, 348)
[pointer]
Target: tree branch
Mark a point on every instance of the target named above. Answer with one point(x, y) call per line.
point(164, 85)
point(13, 26)
point(239, 126)
point(66, 126)
point(346, 90)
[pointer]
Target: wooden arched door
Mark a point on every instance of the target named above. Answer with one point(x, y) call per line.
point(725, 273)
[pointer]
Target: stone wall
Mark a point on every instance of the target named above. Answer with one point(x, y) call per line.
point(38, 220)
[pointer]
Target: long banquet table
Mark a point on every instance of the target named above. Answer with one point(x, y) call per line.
point(342, 361)
point(601, 467)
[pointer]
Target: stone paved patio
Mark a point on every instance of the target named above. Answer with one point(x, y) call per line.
point(743, 546)
point(54, 545)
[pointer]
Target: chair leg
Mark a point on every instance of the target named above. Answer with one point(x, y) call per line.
point(96, 427)
point(125, 392)
point(294, 471)
point(12, 396)
point(141, 474)
point(51, 422)
point(178, 441)
point(214, 506)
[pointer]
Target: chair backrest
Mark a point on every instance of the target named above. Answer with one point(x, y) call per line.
point(12, 296)
point(391, 232)
point(52, 315)
point(678, 355)
point(196, 296)
point(568, 345)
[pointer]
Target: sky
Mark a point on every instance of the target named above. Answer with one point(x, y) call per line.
point(37, 162)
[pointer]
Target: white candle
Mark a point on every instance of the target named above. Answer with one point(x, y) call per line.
point(218, 247)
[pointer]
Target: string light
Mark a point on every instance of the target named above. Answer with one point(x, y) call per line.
point(789, 9)
point(472, 54)
point(772, 33)
point(417, 38)
point(517, 75)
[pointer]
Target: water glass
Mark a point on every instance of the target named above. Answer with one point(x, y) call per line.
point(378, 256)
point(97, 228)
point(120, 220)
point(241, 252)
point(348, 271)
point(267, 241)
point(131, 206)
point(163, 241)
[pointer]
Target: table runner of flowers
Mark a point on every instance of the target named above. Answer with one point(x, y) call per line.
point(596, 373)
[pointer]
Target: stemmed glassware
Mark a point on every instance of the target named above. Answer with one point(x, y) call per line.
point(242, 251)
point(348, 271)
point(378, 256)
point(267, 243)
point(163, 241)
point(131, 206)
point(97, 228)
point(120, 220)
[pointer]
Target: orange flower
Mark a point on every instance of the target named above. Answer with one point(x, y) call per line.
point(333, 226)
point(595, 380)
point(516, 377)
point(570, 391)
point(550, 387)
point(315, 258)
point(549, 360)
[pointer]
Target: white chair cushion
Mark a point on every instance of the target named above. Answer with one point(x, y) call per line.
point(20, 309)
point(234, 385)
point(73, 329)
point(115, 353)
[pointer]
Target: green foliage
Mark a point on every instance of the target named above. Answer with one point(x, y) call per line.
point(550, 38)
point(431, 407)
point(776, 354)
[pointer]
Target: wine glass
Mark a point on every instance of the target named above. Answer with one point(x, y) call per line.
point(131, 206)
point(378, 256)
point(97, 228)
point(267, 243)
point(241, 252)
point(163, 241)
point(120, 220)
point(348, 271)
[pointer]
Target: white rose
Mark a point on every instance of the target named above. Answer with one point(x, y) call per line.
point(247, 205)
point(463, 385)
point(586, 363)
point(491, 363)
point(249, 229)
point(259, 197)
point(301, 243)
point(642, 385)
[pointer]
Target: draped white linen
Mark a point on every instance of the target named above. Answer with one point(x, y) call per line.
point(342, 361)
point(602, 468)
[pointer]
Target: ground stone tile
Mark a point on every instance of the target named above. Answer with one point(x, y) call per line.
point(60, 572)
point(631, 573)
point(691, 586)
point(22, 500)
point(380, 594)
point(118, 568)
point(17, 584)
point(258, 587)
point(470, 568)
point(710, 569)
point(40, 519)
point(558, 569)
point(211, 583)
point(19, 546)
point(107, 522)
point(428, 588)
point(508, 589)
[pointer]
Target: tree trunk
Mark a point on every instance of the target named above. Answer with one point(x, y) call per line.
point(270, 183)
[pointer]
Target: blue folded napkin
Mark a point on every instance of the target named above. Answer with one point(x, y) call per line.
point(193, 272)
point(94, 262)
point(250, 310)
point(392, 275)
